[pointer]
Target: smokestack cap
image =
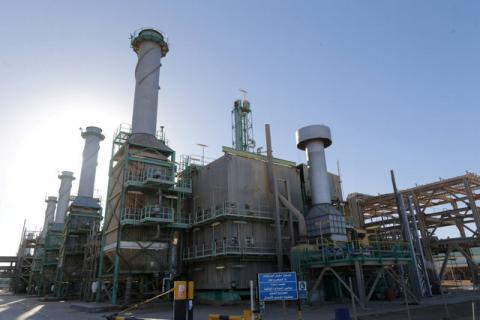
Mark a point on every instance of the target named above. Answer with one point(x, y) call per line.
point(93, 131)
point(66, 175)
point(311, 133)
point(51, 199)
point(149, 35)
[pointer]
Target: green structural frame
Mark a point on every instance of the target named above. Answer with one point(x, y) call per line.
point(78, 225)
point(174, 180)
point(49, 258)
point(242, 128)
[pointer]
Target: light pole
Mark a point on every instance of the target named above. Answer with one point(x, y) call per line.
point(203, 151)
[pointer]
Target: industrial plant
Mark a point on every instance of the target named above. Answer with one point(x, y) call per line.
point(221, 222)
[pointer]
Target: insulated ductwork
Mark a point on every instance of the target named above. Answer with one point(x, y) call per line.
point(66, 178)
point(323, 219)
point(92, 136)
point(49, 214)
point(151, 47)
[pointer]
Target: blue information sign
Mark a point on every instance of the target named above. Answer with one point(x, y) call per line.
point(277, 286)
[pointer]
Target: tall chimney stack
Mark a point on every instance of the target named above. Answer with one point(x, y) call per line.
point(150, 46)
point(49, 214)
point(66, 178)
point(92, 136)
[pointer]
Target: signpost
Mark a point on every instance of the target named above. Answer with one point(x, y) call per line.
point(278, 286)
point(302, 290)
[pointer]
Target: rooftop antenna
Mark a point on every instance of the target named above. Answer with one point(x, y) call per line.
point(244, 94)
point(203, 151)
point(338, 172)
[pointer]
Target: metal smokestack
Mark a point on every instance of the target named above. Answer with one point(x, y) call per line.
point(323, 219)
point(92, 136)
point(49, 214)
point(66, 178)
point(150, 46)
point(314, 139)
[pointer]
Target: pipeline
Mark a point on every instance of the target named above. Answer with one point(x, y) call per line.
point(302, 226)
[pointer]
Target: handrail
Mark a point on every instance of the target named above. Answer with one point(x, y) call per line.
point(229, 247)
point(236, 209)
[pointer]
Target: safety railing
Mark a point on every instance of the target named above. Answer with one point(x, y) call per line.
point(236, 209)
point(131, 216)
point(182, 219)
point(229, 248)
point(147, 214)
point(156, 214)
point(159, 174)
point(328, 252)
point(151, 176)
point(125, 130)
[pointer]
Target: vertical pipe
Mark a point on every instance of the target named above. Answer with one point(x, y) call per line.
point(66, 178)
point(252, 300)
point(290, 216)
point(92, 136)
point(274, 189)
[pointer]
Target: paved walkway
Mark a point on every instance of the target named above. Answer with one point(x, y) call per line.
point(21, 307)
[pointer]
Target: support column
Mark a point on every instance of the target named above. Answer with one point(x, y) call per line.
point(473, 206)
point(360, 283)
point(425, 241)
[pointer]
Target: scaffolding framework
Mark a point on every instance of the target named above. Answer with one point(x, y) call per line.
point(73, 279)
point(436, 211)
point(145, 215)
point(21, 268)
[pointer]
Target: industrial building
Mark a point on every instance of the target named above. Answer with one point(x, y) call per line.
point(220, 223)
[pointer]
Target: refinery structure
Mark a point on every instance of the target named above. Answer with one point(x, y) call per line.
point(219, 223)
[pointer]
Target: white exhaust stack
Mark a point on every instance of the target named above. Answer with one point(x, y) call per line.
point(323, 219)
point(66, 179)
point(150, 46)
point(92, 136)
point(314, 139)
point(49, 214)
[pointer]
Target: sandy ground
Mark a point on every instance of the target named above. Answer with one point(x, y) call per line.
point(452, 306)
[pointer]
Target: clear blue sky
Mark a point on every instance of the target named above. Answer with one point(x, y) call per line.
point(398, 82)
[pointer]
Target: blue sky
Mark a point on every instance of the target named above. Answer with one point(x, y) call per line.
point(398, 82)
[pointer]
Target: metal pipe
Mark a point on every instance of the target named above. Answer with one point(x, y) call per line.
point(274, 189)
point(66, 178)
point(302, 226)
point(252, 299)
point(150, 47)
point(92, 136)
